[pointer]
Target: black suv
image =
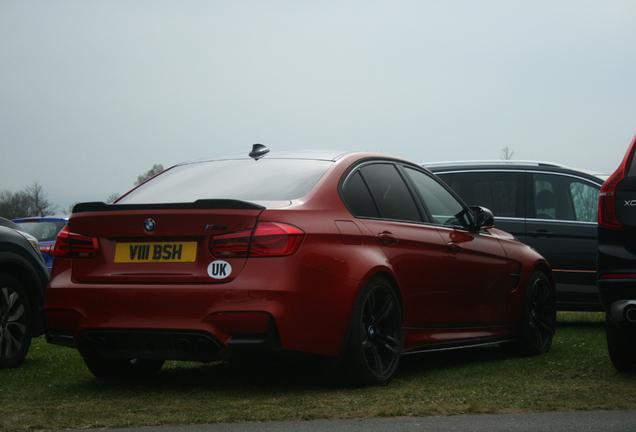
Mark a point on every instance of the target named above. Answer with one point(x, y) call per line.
point(23, 279)
point(547, 206)
point(617, 261)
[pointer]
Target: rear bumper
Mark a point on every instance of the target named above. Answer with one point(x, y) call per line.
point(618, 296)
point(171, 345)
point(306, 309)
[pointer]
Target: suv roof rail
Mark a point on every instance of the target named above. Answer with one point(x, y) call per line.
point(493, 162)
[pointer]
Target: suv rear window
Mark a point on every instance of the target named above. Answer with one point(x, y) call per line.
point(240, 179)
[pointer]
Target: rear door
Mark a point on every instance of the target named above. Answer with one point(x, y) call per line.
point(561, 226)
point(378, 196)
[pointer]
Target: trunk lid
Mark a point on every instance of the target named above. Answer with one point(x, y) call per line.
point(160, 243)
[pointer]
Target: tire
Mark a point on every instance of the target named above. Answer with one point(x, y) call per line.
point(16, 322)
point(537, 323)
point(374, 344)
point(120, 368)
point(621, 344)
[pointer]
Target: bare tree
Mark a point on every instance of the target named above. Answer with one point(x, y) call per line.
point(14, 205)
point(112, 197)
point(156, 169)
point(506, 153)
point(41, 206)
point(69, 210)
point(31, 201)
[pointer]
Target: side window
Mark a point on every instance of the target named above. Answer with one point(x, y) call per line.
point(378, 191)
point(500, 192)
point(357, 196)
point(444, 208)
point(390, 194)
point(564, 198)
point(585, 198)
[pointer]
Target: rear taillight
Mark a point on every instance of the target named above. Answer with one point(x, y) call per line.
point(236, 244)
point(267, 239)
point(607, 202)
point(47, 248)
point(618, 276)
point(71, 245)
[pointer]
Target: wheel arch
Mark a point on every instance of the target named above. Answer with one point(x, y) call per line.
point(394, 285)
point(382, 273)
point(545, 269)
point(22, 270)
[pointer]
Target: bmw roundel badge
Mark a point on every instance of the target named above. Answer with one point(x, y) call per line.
point(150, 225)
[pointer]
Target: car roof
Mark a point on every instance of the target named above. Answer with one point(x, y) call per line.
point(9, 224)
point(327, 155)
point(509, 165)
point(40, 219)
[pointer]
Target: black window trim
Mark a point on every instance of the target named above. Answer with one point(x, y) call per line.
point(529, 199)
point(425, 214)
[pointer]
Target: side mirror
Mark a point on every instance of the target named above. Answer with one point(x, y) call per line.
point(483, 217)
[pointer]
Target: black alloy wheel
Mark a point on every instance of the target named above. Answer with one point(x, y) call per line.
point(16, 322)
point(375, 335)
point(538, 317)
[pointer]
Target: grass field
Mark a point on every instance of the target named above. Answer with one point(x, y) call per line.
point(53, 390)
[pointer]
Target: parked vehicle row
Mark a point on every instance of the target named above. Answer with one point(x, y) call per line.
point(356, 257)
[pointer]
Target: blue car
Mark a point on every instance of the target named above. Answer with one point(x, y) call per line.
point(45, 229)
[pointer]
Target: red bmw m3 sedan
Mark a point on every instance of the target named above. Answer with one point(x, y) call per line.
point(358, 257)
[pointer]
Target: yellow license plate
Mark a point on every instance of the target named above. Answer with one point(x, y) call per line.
point(156, 252)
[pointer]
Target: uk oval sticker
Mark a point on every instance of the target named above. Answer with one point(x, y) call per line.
point(219, 269)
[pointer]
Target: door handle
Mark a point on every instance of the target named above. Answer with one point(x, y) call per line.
point(542, 233)
point(455, 247)
point(388, 238)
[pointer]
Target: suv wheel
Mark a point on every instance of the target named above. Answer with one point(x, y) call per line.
point(621, 344)
point(16, 323)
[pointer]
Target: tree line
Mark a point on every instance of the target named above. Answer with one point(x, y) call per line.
point(33, 201)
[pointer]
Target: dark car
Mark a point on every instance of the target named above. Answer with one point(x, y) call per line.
point(353, 256)
point(617, 261)
point(45, 229)
point(549, 207)
point(23, 279)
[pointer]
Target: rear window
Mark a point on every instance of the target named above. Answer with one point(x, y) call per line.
point(240, 179)
point(43, 231)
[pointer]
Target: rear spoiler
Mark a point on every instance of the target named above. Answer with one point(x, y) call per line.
point(205, 204)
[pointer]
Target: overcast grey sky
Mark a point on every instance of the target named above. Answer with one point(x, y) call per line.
point(94, 93)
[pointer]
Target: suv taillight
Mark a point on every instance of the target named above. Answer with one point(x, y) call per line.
point(267, 239)
point(607, 202)
point(71, 245)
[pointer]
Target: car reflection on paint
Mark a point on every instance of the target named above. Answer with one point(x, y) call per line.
point(358, 257)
